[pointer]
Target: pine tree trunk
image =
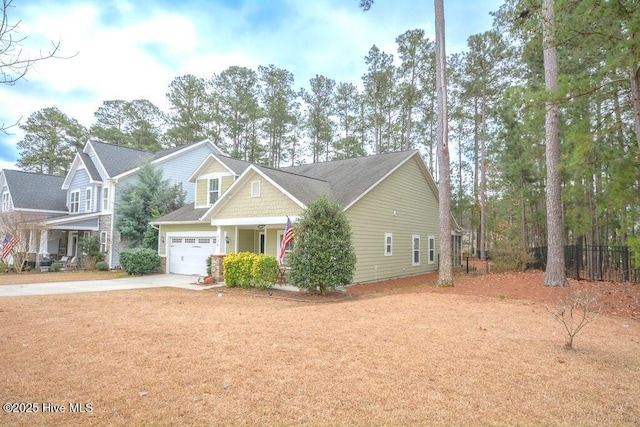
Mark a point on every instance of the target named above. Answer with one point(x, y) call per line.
point(635, 96)
point(445, 274)
point(555, 274)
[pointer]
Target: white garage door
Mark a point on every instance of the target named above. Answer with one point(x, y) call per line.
point(188, 255)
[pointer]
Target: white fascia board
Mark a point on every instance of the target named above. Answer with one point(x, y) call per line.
point(257, 220)
point(198, 172)
point(72, 172)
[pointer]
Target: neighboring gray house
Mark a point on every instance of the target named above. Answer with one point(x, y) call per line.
point(28, 199)
point(85, 201)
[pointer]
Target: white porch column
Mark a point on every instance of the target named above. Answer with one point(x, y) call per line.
point(44, 243)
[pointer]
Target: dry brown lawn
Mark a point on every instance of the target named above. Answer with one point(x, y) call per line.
point(178, 357)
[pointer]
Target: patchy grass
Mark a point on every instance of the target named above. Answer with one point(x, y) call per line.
point(177, 357)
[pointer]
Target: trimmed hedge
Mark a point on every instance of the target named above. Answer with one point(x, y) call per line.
point(140, 261)
point(246, 269)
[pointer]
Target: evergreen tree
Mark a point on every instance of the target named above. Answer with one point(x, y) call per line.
point(149, 198)
point(323, 256)
point(51, 142)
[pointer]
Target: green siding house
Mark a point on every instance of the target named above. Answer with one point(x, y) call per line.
point(390, 200)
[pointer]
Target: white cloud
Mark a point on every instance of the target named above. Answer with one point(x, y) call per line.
point(130, 50)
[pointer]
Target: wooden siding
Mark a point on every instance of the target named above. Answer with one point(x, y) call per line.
point(271, 202)
point(245, 240)
point(179, 168)
point(404, 205)
point(202, 189)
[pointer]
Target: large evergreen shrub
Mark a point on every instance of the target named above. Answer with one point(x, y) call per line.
point(140, 261)
point(323, 256)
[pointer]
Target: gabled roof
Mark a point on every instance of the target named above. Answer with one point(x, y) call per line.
point(36, 191)
point(117, 159)
point(304, 189)
point(233, 166)
point(81, 159)
point(350, 179)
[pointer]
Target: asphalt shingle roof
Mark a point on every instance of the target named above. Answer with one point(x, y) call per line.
point(117, 159)
point(350, 178)
point(186, 213)
point(31, 190)
point(91, 168)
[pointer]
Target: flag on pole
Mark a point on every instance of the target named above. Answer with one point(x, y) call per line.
point(7, 244)
point(288, 237)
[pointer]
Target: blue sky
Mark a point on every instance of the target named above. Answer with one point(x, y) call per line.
point(127, 49)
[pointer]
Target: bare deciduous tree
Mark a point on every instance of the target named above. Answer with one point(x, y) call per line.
point(574, 312)
point(14, 61)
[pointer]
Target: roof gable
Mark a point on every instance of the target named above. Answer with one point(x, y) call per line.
point(351, 179)
point(82, 161)
point(299, 189)
point(232, 166)
point(35, 191)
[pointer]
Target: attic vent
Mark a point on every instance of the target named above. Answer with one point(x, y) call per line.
point(255, 189)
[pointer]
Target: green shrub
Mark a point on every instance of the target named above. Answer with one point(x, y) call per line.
point(209, 268)
point(102, 266)
point(323, 256)
point(140, 261)
point(90, 247)
point(56, 266)
point(246, 269)
point(265, 271)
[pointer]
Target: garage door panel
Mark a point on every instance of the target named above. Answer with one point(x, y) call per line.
point(188, 255)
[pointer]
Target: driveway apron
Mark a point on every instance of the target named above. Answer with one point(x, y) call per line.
point(133, 282)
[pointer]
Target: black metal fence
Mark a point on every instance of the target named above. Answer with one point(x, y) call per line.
point(607, 263)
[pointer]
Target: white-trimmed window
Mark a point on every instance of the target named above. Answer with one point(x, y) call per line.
point(214, 190)
point(74, 201)
point(105, 199)
point(255, 188)
point(432, 249)
point(103, 241)
point(5, 202)
point(415, 250)
point(287, 249)
point(88, 199)
point(388, 244)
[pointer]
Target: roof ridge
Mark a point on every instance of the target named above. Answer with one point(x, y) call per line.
point(33, 173)
point(289, 172)
point(413, 150)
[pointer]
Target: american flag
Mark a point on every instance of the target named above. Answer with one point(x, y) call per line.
point(288, 237)
point(7, 244)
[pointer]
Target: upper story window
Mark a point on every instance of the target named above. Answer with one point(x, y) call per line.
point(214, 190)
point(87, 199)
point(105, 199)
point(74, 201)
point(255, 189)
point(5, 202)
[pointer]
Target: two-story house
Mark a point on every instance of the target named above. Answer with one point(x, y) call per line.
point(89, 193)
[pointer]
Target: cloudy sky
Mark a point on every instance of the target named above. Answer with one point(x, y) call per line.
point(127, 49)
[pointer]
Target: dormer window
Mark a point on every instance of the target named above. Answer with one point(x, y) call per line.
point(214, 190)
point(5, 202)
point(74, 201)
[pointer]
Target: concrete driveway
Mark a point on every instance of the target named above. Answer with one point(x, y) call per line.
point(133, 282)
